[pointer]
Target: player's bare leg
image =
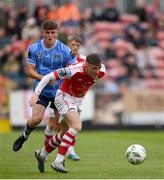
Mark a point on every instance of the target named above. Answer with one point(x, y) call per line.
point(37, 116)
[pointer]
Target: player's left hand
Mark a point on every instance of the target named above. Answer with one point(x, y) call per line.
point(33, 99)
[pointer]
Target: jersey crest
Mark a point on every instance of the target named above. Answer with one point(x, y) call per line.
point(38, 56)
point(58, 56)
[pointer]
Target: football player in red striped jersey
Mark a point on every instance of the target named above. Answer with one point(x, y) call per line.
point(77, 79)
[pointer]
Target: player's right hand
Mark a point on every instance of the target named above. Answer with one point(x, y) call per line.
point(33, 99)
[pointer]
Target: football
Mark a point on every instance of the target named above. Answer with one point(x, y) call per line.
point(135, 154)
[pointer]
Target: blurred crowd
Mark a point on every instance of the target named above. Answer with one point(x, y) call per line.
point(131, 44)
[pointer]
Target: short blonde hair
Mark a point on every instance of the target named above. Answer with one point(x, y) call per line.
point(74, 38)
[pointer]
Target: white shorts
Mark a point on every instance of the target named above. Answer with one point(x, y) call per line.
point(65, 102)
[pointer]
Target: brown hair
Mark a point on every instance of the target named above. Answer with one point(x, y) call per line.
point(93, 59)
point(49, 25)
point(74, 38)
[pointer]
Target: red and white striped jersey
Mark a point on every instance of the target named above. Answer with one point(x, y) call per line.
point(76, 81)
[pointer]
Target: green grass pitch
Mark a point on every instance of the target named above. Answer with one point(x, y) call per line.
point(102, 156)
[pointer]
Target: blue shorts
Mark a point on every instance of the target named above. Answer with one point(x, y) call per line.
point(44, 101)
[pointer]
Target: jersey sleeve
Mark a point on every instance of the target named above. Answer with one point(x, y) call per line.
point(81, 58)
point(66, 72)
point(103, 68)
point(31, 56)
point(62, 73)
point(102, 71)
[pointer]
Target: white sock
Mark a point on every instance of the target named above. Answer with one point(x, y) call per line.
point(48, 131)
point(44, 153)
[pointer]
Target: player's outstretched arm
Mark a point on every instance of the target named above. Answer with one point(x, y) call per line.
point(56, 75)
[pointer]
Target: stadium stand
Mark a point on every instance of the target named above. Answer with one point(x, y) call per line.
point(131, 43)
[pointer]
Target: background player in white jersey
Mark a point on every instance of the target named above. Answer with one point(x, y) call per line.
point(74, 42)
point(44, 56)
point(77, 81)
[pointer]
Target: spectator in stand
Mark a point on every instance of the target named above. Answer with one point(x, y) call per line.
point(108, 51)
point(22, 14)
point(5, 86)
point(140, 10)
point(110, 13)
point(11, 27)
point(134, 34)
point(4, 56)
point(146, 62)
point(40, 12)
point(149, 35)
point(21, 17)
point(131, 64)
point(31, 30)
point(4, 40)
point(152, 11)
point(68, 14)
point(12, 69)
point(53, 13)
point(96, 14)
point(161, 21)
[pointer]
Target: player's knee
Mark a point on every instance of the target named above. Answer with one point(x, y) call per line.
point(37, 119)
point(77, 127)
point(52, 124)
